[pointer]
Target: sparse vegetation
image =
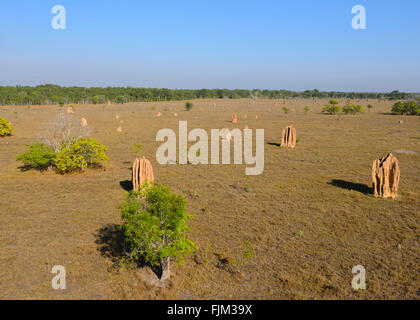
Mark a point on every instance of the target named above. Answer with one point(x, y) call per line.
point(6, 128)
point(188, 106)
point(79, 155)
point(353, 109)
point(406, 108)
point(66, 149)
point(38, 156)
point(137, 148)
point(155, 226)
point(286, 110)
point(307, 109)
point(331, 109)
point(247, 249)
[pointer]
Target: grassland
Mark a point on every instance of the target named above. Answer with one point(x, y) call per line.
point(294, 232)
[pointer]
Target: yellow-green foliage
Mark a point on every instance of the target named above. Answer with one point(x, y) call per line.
point(353, 109)
point(6, 128)
point(79, 155)
point(37, 156)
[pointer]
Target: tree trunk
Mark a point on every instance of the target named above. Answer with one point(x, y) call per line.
point(166, 273)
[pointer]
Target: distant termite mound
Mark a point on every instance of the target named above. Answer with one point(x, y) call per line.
point(83, 122)
point(385, 177)
point(288, 137)
point(142, 172)
point(234, 118)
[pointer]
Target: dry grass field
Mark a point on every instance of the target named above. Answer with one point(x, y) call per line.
point(294, 232)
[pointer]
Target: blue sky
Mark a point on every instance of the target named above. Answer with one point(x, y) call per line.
point(296, 45)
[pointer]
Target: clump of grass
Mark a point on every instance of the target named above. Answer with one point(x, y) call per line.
point(137, 148)
point(247, 249)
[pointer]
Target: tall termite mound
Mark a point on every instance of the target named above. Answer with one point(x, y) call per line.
point(234, 118)
point(142, 172)
point(288, 137)
point(385, 177)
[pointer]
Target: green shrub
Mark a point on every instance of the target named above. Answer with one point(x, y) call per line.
point(331, 109)
point(155, 226)
point(353, 109)
point(333, 102)
point(369, 106)
point(79, 154)
point(6, 128)
point(307, 109)
point(188, 106)
point(286, 110)
point(37, 156)
point(410, 108)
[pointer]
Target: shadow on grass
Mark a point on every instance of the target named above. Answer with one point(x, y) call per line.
point(127, 185)
point(110, 241)
point(273, 144)
point(351, 186)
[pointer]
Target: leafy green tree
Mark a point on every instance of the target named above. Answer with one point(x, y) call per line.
point(155, 227)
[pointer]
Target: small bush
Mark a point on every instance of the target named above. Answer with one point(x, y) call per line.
point(331, 109)
point(409, 108)
point(79, 155)
point(307, 109)
point(188, 106)
point(286, 110)
point(6, 128)
point(369, 106)
point(353, 109)
point(333, 102)
point(155, 226)
point(37, 156)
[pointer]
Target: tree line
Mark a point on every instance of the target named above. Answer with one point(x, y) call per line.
point(54, 94)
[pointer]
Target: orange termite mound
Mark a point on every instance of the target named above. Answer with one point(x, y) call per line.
point(288, 137)
point(142, 171)
point(119, 129)
point(84, 122)
point(234, 118)
point(70, 110)
point(385, 177)
point(159, 114)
